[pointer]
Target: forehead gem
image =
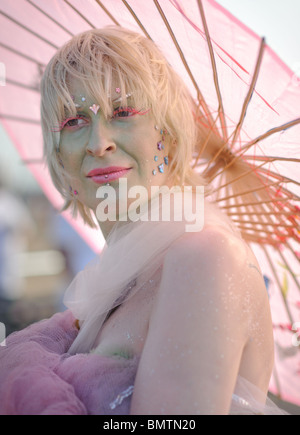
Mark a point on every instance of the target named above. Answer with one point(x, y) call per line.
point(94, 108)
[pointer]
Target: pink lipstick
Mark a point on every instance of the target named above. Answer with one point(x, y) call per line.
point(111, 173)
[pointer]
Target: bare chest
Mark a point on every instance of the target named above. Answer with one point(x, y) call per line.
point(125, 331)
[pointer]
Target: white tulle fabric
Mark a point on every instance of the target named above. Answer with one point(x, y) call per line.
point(134, 250)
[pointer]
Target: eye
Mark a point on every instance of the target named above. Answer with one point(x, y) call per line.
point(73, 123)
point(124, 112)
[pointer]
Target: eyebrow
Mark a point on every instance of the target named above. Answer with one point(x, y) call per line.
point(116, 100)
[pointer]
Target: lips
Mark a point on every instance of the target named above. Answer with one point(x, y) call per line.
point(103, 175)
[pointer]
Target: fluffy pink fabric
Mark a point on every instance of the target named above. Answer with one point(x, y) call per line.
point(39, 377)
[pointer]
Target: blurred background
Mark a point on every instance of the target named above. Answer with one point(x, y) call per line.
point(40, 252)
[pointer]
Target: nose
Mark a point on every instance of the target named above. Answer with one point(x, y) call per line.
point(100, 142)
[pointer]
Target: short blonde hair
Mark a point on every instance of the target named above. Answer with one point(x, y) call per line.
point(96, 58)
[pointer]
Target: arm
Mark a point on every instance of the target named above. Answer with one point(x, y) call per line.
point(198, 328)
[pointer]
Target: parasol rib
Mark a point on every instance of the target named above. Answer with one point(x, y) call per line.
point(80, 14)
point(272, 158)
point(244, 174)
point(203, 147)
point(292, 251)
point(22, 85)
point(260, 138)
point(269, 133)
point(256, 189)
point(283, 178)
point(273, 224)
point(18, 53)
point(215, 72)
point(108, 13)
point(19, 119)
point(257, 213)
point(279, 284)
point(293, 275)
point(254, 203)
point(199, 94)
point(29, 30)
point(250, 92)
point(237, 130)
point(50, 18)
point(136, 19)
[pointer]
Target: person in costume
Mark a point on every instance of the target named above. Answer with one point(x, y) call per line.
point(167, 321)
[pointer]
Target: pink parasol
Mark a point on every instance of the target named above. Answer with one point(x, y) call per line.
point(248, 100)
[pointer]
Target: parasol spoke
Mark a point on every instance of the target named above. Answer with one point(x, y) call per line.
point(28, 30)
point(283, 178)
point(292, 274)
point(136, 19)
point(183, 59)
point(270, 224)
point(50, 18)
point(293, 252)
point(19, 119)
point(269, 133)
point(239, 177)
point(215, 72)
point(22, 85)
point(258, 213)
point(271, 159)
point(255, 189)
point(108, 13)
point(250, 92)
point(251, 143)
point(205, 143)
point(278, 284)
point(25, 56)
point(79, 13)
point(253, 203)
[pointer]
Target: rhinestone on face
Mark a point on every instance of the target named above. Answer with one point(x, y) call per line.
point(154, 172)
point(166, 159)
point(159, 146)
point(155, 158)
point(161, 168)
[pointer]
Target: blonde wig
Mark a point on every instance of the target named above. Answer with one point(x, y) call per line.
point(97, 58)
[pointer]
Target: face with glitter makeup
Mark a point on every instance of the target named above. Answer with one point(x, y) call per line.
point(128, 139)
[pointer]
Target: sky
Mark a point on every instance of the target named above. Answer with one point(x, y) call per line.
point(277, 20)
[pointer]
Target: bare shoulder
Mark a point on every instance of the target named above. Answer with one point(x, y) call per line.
point(215, 254)
point(199, 325)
